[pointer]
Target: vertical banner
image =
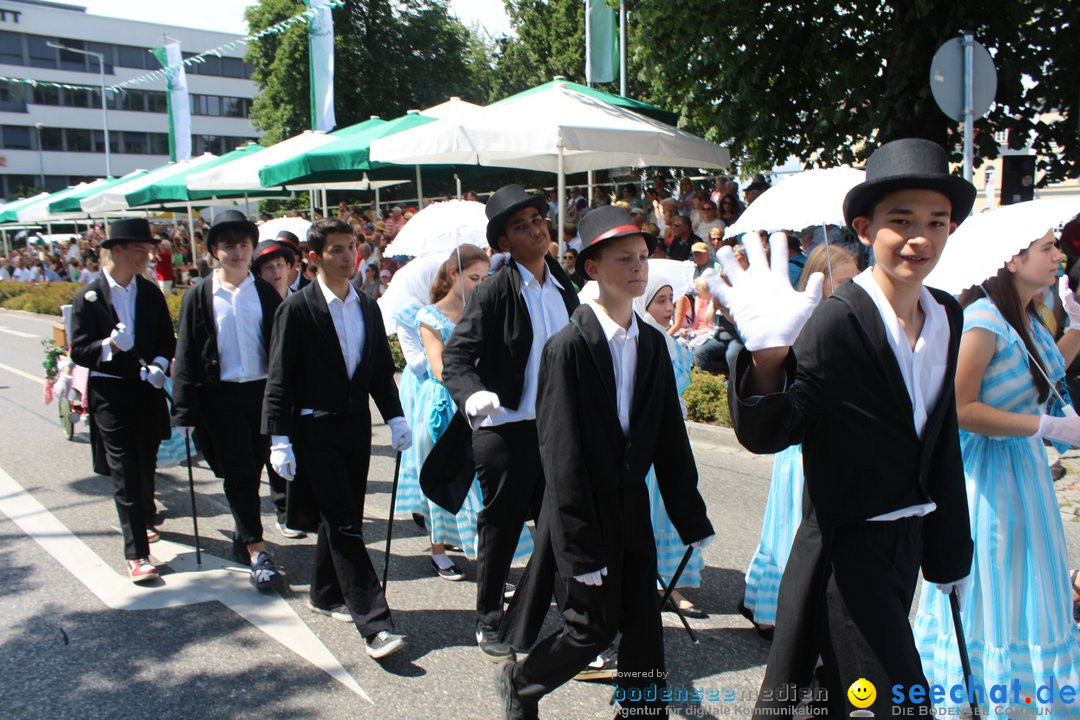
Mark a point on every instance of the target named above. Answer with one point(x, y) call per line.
point(178, 102)
point(321, 65)
point(601, 42)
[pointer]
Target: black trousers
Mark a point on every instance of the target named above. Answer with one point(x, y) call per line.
point(626, 602)
point(845, 599)
point(278, 487)
point(232, 413)
point(334, 452)
point(125, 415)
point(512, 483)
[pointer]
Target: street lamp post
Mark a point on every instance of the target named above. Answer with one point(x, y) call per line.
point(104, 112)
point(40, 157)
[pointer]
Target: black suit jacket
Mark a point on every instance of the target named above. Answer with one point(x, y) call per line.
point(490, 347)
point(846, 402)
point(198, 362)
point(307, 369)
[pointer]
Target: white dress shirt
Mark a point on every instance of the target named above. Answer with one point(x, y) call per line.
point(238, 319)
point(123, 301)
point(623, 345)
point(547, 315)
point(348, 324)
point(922, 367)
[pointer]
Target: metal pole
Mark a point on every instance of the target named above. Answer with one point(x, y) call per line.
point(105, 116)
point(41, 156)
point(325, 206)
point(457, 180)
point(622, 47)
point(191, 235)
point(419, 190)
point(562, 201)
point(969, 105)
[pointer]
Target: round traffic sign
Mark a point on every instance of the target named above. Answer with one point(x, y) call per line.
point(947, 79)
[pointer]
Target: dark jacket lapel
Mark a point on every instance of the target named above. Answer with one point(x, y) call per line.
point(105, 297)
point(585, 320)
point(324, 324)
point(208, 309)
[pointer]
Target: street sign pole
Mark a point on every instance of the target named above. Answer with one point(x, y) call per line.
point(969, 105)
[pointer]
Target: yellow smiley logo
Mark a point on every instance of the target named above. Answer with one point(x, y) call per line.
point(862, 693)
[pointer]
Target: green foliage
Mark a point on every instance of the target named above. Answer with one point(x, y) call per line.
point(395, 352)
point(707, 399)
point(11, 288)
point(43, 298)
point(390, 56)
point(550, 41)
point(173, 300)
point(827, 82)
point(53, 352)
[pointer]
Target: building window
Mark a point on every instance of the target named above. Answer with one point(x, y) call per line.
point(211, 65)
point(13, 98)
point(81, 97)
point(156, 102)
point(159, 143)
point(52, 139)
point(16, 137)
point(55, 182)
point(133, 57)
point(108, 51)
point(21, 185)
point(73, 61)
point(44, 95)
point(134, 100)
point(11, 49)
point(232, 67)
point(135, 143)
point(99, 141)
point(233, 107)
point(78, 140)
point(41, 55)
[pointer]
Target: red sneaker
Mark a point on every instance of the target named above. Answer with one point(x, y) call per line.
point(141, 570)
point(152, 534)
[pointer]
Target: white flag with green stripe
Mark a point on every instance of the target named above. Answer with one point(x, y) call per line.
point(601, 42)
point(178, 101)
point(321, 65)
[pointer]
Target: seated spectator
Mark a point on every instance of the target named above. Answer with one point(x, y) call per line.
point(682, 239)
point(702, 261)
point(706, 218)
point(729, 209)
point(569, 261)
point(686, 196)
point(631, 196)
point(753, 190)
point(638, 216)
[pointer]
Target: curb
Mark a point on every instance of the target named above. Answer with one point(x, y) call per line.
point(713, 435)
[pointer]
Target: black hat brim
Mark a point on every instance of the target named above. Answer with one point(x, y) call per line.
point(588, 252)
point(496, 226)
point(861, 199)
point(250, 228)
point(126, 240)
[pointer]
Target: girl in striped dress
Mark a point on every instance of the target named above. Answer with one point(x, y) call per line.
point(1016, 607)
point(657, 307)
point(433, 408)
point(784, 507)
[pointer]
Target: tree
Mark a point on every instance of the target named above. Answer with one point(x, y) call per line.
point(550, 41)
point(390, 56)
point(827, 81)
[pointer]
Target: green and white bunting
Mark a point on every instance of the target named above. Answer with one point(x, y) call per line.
point(178, 101)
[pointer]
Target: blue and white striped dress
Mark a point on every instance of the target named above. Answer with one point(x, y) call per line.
point(432, 412)
point(783, 515)
point(409, 497)
point(1017, 616)
point(669, 546)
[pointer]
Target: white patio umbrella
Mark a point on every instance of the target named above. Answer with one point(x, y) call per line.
point(813, 197)
point(113, 199)
point(679, 274)
point(555, 130)
point(985, 242)
point(243, 173)
point(439, 228)
point(296, 225)
point(38, 212)
point(411, 285)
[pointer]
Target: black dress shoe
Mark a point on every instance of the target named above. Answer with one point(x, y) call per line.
point(452, 573)
point(384, 643)
point(514, 707)
point(492, 650)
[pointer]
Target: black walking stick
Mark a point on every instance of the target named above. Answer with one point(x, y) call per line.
point(668, 589)
point(390, 524)
point(965, 663)
point(191, 489)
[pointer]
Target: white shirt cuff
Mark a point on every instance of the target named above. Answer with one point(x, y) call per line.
point(162, 362)
point(279, 442)
point(106, 350)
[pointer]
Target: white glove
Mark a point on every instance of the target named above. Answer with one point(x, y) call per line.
point(483, 402)
point(62, 386)
point(768, 312)
point(153, 375)
point(400, 435)
point(1069, 302)
point(122, 338)
point(281, 457)
point(703, 542)
point(596, 579)
point(1061, 429)
point(961, 586)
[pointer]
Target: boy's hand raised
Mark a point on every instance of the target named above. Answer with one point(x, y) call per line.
point(768, 312)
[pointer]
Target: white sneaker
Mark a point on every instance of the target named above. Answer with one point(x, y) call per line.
point(290, 533)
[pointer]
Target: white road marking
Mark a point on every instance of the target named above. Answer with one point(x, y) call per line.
point(215, 580)
point(33, 378)
point(18, 333)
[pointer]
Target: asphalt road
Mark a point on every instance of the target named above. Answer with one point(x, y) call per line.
point(68, 653)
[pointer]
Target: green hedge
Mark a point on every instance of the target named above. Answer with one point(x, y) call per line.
point(45, 298)
point(11, 288)
point(395, 351)
point(707, 399)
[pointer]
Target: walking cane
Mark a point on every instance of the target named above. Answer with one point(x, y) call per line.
point(390, 524)
point(965, 663)
point(668, 589)
point(191, 489)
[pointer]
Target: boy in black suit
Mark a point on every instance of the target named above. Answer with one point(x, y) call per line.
point(328, 355)
point(121, 330)
point(897, 502)
point(490, 367)
point(607, 410)
point(220, 376)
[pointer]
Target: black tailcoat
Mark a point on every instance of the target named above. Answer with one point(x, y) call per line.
point(847, 403)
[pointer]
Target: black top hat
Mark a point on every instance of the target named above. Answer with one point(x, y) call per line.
point(503, 203)
point(268, 250)
point(903, 165)
point(604, 224)
point(232, 219)
point(132, 230)
point(290, 239)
